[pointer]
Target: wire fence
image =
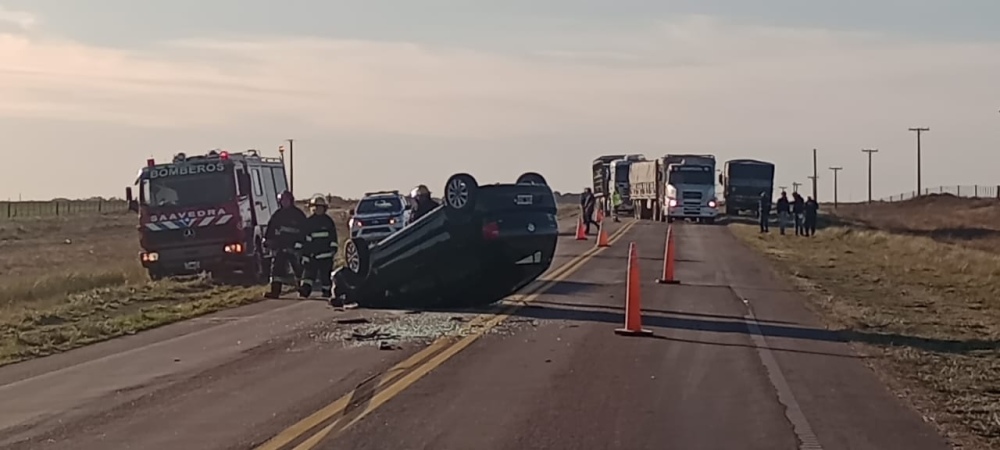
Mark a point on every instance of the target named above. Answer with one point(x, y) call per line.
point(56, 208)
point(967, 191)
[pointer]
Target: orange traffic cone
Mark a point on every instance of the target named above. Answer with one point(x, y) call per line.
point(600, 215)
point(581, 234)
point(668, 259)
point(633, 309)
point(602, 236)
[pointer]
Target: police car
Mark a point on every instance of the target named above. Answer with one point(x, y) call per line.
point(379, 214)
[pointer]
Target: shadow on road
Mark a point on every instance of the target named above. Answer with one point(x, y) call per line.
point(621, 310)
point(767, 329)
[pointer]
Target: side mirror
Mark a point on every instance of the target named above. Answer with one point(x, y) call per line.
point(133, 204)
point(720, 179)
point(350, 213)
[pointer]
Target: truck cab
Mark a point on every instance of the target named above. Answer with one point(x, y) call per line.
point(207, 213)
point(620, 181)
point(690, 193)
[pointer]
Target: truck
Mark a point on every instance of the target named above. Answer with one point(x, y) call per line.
point(646, 189)
point(207, 213)
point(743, 180)
point(689, 187)
point(619, 180)
point(602, 176)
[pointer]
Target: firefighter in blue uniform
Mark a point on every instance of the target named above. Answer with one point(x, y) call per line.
point(319, 248)
point(284, 237)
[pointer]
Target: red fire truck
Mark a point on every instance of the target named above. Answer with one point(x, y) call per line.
point(207, 213)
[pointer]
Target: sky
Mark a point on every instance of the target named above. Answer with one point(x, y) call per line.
point(387, 94)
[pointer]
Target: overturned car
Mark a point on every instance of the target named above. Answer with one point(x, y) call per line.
point(482, 244)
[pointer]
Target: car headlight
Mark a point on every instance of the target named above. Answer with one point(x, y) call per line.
point(673, 202)
point(711, 203)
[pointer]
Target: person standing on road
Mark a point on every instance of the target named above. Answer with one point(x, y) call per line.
point(422, 202)
point(587, 205)
point(783, 210)
point(284, 236)
point(320, 247)
point(764, 211)
point(798, 209)
point(616, 201)
point(812, 211)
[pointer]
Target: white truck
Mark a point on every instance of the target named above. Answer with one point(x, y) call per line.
point(646, 189)
point(619, 179)
point(690, 188)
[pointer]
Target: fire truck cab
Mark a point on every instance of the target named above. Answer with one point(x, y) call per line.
point(207, 213)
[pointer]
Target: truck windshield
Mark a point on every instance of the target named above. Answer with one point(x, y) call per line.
point(621, 174)
point(700, 177)
point(379, 205)
point(191, 190)
point(750, 172)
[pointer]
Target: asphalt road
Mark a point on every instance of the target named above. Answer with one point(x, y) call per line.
point(736, 361)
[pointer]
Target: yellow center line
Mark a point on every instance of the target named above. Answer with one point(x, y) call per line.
point(441, 349)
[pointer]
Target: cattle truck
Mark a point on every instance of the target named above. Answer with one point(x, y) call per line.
point(602, 177)
point(207, 213)
point(689, 187)
point(743, 180)
point(646, 189)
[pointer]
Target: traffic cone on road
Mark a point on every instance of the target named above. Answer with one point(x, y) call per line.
point(633, 307)
point(581, 233)
point(668, 259)
point(600, 215)
point(602, 236)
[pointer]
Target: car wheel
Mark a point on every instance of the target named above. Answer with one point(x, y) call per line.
point(531, 178)
point(357, 257)
point(460, 192)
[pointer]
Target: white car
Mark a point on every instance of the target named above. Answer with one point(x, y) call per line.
point(379, 214)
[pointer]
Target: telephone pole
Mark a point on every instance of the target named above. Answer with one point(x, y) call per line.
point(795, 186)
point(815, 177)
point(835, 170)
point(291, 166)
point(869, 151)
point(919, 130)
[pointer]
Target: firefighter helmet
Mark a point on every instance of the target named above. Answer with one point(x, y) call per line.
point(420, 191)
point(318, 200)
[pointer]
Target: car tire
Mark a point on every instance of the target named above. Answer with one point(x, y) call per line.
point(460, 193)
point(532, 178)
point(357, 257)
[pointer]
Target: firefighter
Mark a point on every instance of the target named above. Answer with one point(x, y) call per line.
point(422, 202)
point(320, 235)
point(284, 237)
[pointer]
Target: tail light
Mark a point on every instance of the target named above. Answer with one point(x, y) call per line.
point(150, 256)
point(234, 248)
point(491, 231)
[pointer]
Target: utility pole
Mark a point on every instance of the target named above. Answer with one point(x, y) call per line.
point(869, 151)
point(795, 186)
point(815, 177)
point(919, 130)
point(835, 170)
point(291, 166)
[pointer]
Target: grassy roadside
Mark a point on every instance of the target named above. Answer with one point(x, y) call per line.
point(935, 305)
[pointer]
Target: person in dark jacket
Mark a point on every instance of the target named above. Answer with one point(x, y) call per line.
point(812, 211)
point(798, 209)
point(588, 204)
point(422, 202)
point(783, 211)
point(764, 210)
point(321, 245)
point(284, 236)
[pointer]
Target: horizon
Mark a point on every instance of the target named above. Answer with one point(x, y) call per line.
point(397, 94)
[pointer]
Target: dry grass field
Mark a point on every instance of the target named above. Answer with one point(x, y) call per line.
point(69, 280)
point(924, 276)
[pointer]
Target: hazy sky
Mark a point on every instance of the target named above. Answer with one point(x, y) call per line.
point(386, 94)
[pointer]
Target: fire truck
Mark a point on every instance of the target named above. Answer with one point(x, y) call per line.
point(207, 213)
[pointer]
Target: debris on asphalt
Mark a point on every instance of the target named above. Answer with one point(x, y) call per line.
point(353, 320)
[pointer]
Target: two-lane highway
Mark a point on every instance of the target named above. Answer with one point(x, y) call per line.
point(736, 361)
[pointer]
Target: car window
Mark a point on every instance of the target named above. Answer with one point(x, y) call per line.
point(379, 205)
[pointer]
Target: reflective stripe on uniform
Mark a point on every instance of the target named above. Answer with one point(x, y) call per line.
point(320, 234)
point(307, 282)
point(327, 255)
point(285, 280)
point(334, 244)
point(305, 259)
point(298, 245)
point(309, 238)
